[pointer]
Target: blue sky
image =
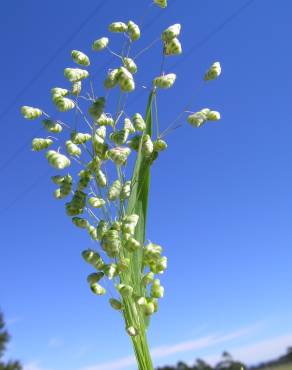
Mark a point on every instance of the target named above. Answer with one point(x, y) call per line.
point(220, 203)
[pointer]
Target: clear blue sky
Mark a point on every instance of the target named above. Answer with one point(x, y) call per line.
point(221, 196)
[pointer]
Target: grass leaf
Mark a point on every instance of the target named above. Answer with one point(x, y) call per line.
point(138, 201)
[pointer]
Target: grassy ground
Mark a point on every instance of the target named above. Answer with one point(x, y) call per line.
point(278, 367)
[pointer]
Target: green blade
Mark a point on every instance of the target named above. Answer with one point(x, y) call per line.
point(138, 201)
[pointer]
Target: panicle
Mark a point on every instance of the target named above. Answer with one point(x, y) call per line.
point(101, 178)
point(97, 289)
point(82, 223)
point(101, 229)
point(52, 126)
point(112, 78)
point(111, 270)
point(159, 145)
point(129, 223)
point(79, 137)
point(139, 122)
point(147, 145)
point(199, 118)
point(126, 80)
point(128, 125)
point(133, 31)
point(72, 149)
point(157, 291)
point(165, 81)
point(31, 112)
point(96, 202)
point(213, 72)
point(57, 160)
point(171, 32)
point(64, 104)
point(80, 58)
point(76, 88)
point(125, 290)
point(111, 243)
point(161, 3)
point(39, 143)
point(126, 190)
point(119, 155)
point(100, 44)
point(75, 74)
point(116, 304)
point(97, 108)
point(118, 27)
point(115, 190)
point(173, 47)
point(130, 65)
point(104, 120)
point(95, 277)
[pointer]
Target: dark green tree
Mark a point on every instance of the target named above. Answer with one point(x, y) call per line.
point(228, 363)
point(4, 339)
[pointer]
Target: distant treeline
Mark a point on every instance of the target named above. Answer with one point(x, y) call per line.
point(228, 363)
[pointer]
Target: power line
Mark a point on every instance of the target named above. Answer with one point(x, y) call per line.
point(194, 48)
point(211, 34)
point(53, 57)
point(24, 192)
point(18, 151)
point(203, 41)
point(107, 63)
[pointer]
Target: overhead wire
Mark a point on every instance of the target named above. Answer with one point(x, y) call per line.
point(194, 48)
point(101, 68)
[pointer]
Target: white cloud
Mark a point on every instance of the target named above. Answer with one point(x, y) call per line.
point(34, 365)
point(259, 351)
point(164, 351)
point(55, 343)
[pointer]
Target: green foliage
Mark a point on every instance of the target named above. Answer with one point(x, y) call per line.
point(4, 339)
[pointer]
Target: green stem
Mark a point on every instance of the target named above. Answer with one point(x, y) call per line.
point(133, 317)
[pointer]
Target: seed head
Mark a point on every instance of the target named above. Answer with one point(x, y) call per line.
point(64, 104)
point(112, 79)
point(101, 178)
point(57, 160)
point(100, 44)
point(171, 32)
point(80, 58)
point(76, 88)
point(139, 122)
point(125, 290)
point(159, 145)
point(80, 222)
point(130, 65)
point(126, 190)
point(75, 74)
point(165, 81)
point(96, 202)
point(119, 155)
point(97, 289)
point(95, 277)
point(161, 3)
point(41, 144)
point(214, 72)
point(126, 80)
point(213, 116)
point(173, 47)
point(72, 149)
point(79, 138)
point(114, 190)
point(133, 31)
point(30, 112)
point(116, 304)
point(118, 27)
point(52, 126)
